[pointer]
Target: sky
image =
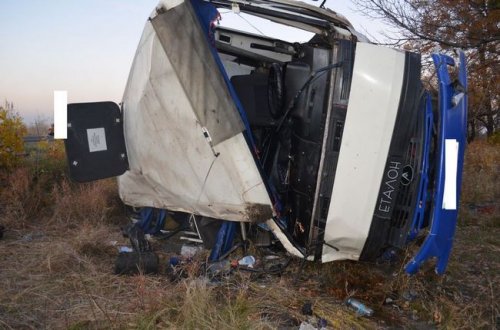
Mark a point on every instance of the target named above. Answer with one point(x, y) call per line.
point(86, 47)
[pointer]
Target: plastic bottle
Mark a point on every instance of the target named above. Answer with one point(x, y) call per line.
point(248, 261)
point(360, 308)
point(219, 268)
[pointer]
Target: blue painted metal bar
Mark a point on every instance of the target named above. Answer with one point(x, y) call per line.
point(147, 220)
point(452, 126)
point(418, 216)
point(224, 241)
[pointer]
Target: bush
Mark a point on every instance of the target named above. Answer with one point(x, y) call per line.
point(26, 195)
point(49, 160)
point(12, 131)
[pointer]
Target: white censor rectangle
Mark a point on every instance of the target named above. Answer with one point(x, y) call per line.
point(451, 147)
point(60, 114)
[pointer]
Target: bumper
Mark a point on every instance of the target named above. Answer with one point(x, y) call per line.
point(451, 142)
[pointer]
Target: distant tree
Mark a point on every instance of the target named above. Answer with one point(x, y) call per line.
point(12, 131)
point(472, 25)
point(39, 127)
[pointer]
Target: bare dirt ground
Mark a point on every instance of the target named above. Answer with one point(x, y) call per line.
point(57, 258)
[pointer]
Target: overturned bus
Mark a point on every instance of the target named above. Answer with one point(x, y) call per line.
point(331, 145)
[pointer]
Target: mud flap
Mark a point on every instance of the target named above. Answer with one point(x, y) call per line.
point(449, 164)
point(95, 146)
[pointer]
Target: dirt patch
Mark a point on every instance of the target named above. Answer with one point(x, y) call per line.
point(258, 213)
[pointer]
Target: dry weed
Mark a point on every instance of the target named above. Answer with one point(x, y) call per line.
point(194, 303)
point(20, 199)
point(480, 200)
point(93, 241)
point(83, 203)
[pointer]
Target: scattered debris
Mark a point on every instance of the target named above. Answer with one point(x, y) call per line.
point(175, 270)
point(437, 316)
point(414, 315)
point(137, 237)
point(248, 261)
point(125, 249)
point(485, 208)
point(314, 323)
point(173, 261)
point(389, 256)
point(219, 268)
point(32, 236)
point(307, 309)
point(322, 323)
point(305, 325)
point(409, 295)
point(138, 259)
point(391, 298)
point(189, 251)
point(361, 309)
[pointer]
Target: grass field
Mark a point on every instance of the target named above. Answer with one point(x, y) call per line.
point(57, 258)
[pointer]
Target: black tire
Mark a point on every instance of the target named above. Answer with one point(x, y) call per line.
point(136, 262)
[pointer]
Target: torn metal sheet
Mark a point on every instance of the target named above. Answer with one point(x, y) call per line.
point(172, 165)
point(177, 29)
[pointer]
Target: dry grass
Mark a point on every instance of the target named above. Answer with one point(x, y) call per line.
point(57, 273)
point(481, 185)
point(89, 203)
point(57, 257)
point(22, 200)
